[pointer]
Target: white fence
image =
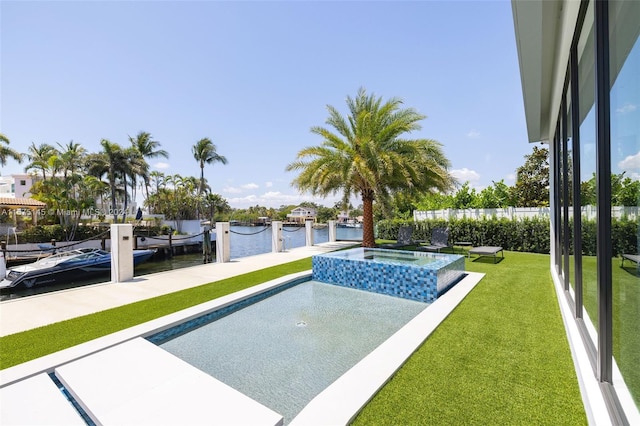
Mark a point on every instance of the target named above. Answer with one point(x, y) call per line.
point(588, 212)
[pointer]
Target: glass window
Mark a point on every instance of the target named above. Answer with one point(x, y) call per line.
point(561, 201)
point(569, 188)
point(624, 25)
point(587, 126)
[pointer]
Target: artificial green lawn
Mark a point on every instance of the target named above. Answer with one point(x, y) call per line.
point(500, 358)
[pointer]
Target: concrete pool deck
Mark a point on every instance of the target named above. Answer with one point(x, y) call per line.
point(102, 372)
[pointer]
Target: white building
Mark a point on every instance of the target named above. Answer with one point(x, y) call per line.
point(302, 214)
point(16, 186)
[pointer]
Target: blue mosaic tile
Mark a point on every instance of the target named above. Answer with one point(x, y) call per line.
point(410, 275)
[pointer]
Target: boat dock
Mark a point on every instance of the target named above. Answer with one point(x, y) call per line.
point(22, 314)
point(165, 246)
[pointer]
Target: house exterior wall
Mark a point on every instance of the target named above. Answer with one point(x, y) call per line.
point(16, 186)
point(580, 70)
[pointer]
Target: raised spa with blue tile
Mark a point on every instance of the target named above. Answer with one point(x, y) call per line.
point(411, 275)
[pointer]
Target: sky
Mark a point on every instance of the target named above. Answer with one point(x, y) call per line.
point(255, 76)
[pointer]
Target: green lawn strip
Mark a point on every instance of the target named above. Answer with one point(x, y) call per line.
point(25, 346)
point(501, 357)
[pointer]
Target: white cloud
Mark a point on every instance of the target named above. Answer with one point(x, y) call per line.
point(276, 199)
point(232, 190)
point(510, 178)
point(240, 189)
point(632, 162)
point(268, 184)
point(161, 165)
point(473, 134)
point(626, 108)
point(464, 175)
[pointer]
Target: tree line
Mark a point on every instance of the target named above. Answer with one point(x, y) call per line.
point(73, 179)
point(530, 190)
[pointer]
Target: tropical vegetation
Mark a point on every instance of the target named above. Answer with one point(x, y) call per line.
point(366, 153)
point(6, 152)
point(74, 182)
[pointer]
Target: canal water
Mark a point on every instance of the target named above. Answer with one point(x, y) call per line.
point(244, 241)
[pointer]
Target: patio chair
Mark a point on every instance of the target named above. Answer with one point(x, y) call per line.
point(632, 258)
point(439, 240)
point(404, 238)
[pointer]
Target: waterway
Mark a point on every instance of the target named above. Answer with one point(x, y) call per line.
point(244, 241)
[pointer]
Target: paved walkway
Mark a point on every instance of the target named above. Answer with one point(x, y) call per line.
point(35, 311)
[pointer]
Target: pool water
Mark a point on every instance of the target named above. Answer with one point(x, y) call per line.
point(284, 350)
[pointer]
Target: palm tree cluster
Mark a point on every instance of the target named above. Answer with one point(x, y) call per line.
point(184, 197)
point(366, 154)
point(72, 180)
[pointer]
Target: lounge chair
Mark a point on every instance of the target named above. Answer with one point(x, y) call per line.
point(633, 258)
point(439, 240)
point(404, 238)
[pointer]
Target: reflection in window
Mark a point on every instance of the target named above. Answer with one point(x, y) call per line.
point(625, 167)
point(586, 112)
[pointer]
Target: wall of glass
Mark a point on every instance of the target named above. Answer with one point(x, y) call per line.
point(584, 184)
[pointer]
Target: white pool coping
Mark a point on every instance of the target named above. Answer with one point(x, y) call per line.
point(337, 404)
point(138, 383)
point(45, 404)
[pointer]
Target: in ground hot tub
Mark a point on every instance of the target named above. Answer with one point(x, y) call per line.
point(408, 274)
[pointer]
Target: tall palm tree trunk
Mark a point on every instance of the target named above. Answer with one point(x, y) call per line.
point(368, 237)
point(200, 190)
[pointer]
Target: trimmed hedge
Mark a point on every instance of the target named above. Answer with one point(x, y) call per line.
point(525, 235)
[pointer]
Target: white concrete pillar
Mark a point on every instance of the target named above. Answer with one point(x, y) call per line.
point(223, 244)
point(276, 236)
point(121, 252)
point(308, 224)
point(332, 231)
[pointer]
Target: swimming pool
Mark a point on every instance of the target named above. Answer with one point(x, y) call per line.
point(284, 350)
point(412, 275)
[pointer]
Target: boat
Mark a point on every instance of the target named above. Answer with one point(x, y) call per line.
point(65, 266)
point(350, 225)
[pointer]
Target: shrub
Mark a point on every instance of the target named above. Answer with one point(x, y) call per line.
point(526, 235)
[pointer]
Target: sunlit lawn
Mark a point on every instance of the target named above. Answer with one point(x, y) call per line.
point(501, 357)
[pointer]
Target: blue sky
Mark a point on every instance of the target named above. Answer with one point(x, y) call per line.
point(254, 77)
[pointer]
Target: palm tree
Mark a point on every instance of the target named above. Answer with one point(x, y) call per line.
point(215, 203)
point(71, 157)
point(205, 151)
point(6, 152)
point(148, 148)
point(368, 155)
point(110, 162)
point(133, 166)
point(41, 157)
